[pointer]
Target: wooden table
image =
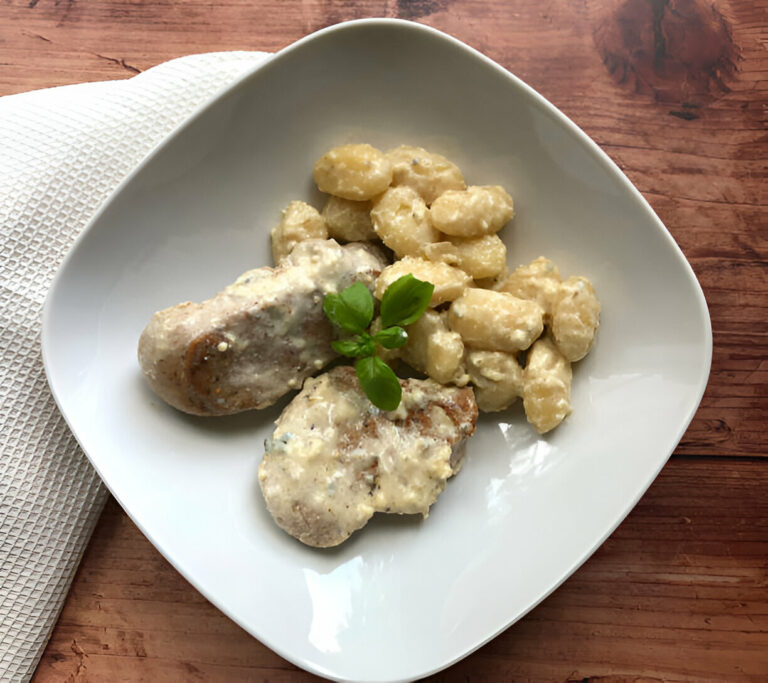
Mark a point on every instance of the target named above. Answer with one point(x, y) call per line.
point(676, 92)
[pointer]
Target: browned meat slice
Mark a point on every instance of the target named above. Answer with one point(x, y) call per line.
point(335, 459)
point(258, 338)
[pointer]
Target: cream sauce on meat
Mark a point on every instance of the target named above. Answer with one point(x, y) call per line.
point(258, 338)
point(335, 459)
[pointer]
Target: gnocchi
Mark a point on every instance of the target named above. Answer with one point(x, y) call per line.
point(449, 282)
point(493, 282)
point(353, 172)
point(348, 220)
point(476, 211)
point(418, 204)
point(435, 350)
point(495, 321)
point(538, 281)
point(497, 377)
point(546, 386)
point(299, 222)
point(480, 257)
point(429, 174)
point(575, 318)
point(440, 252)
point(401, 220)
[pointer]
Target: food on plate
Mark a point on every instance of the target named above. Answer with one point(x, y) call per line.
point(495, 321)
point(484, 322)
point(358, 439)
point(572, 317)
point(539, 281)
point(449, 282)
point(258, 338)
point(428, 173)
point(546, 386)
point(435, 350)
point(474, 212)
point(497, 377)
point(348, 220)
point(356, 172)
point(479, 257)
point(401, 220)
point(575, 318)
point(404, 301)
point(334, 459)
point(299, 222)
point(250, 345)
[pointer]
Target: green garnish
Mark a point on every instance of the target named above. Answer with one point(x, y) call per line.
point(391, 337)
point(403, 303)
point(351, 309)
point(379, 382)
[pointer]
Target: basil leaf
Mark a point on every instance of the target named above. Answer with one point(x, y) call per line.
point(379, 383)
point(391, 337)
point(367, 345)
point(348, 347)
point(405, 301)
point(351, 309)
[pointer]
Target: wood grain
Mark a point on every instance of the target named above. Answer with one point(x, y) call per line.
point(678, 592)
point(676, 92)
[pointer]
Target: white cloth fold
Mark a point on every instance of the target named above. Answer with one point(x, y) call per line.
point(62, 152)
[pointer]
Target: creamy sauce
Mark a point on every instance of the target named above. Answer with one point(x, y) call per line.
point(258, 338)
point(335, 459)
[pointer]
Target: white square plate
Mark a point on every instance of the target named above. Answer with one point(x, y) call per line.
point(403, 597)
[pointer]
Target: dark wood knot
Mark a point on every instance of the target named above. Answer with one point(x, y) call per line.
point(681, 52)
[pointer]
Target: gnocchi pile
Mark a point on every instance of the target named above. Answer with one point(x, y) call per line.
point(511, 335)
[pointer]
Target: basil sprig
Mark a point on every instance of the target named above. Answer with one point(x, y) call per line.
point(403, 303)
point(351, 309)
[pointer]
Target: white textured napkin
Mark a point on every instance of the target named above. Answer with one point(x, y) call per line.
point(62, 152)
